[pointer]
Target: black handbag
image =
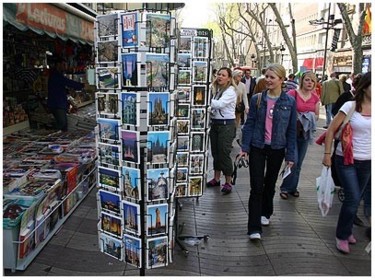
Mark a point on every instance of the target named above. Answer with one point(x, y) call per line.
point(240, 107)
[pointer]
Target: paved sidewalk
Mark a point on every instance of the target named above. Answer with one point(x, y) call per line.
point(298, 242)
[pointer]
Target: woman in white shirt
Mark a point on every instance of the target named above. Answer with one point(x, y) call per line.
point(223, 127)
point(241, 96)
point(353, 167)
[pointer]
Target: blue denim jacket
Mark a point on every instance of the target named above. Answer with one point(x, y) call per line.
point(284, 124)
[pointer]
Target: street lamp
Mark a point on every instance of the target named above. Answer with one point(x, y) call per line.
point(282, 49)
point(330, 24)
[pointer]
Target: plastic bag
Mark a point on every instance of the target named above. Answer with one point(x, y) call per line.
point(325, 188)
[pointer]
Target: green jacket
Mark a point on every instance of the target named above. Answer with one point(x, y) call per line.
point(331, 90)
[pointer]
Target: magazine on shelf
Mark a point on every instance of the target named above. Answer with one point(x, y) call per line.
point(157, 184)
point(111, 246)
point(108, 78)
point(158, 147)
point(130, 146)
point(133, 250)
point(109, 202)
point(157, 219)
point(158, 108)
point(131, 178)
point(132, 217)
point(129, 29)
point(26, 237)
point(111, 224)
point(129, 108)
point(107, 104)
point(157, 252)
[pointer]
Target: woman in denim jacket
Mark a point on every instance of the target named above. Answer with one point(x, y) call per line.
point(268, 136)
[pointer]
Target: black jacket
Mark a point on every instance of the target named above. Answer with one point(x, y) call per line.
point(252, 85)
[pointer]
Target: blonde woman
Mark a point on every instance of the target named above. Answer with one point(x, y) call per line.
point(307, 104)
point(241, 96)
point(223, 127)
point(268, 137)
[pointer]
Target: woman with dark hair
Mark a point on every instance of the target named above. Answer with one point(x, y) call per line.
point(352, 160)
point(268, 137)
point(346, 95)
point(223, 127)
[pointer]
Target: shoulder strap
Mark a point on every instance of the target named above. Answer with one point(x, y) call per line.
point(346, 120)
point(259, 99)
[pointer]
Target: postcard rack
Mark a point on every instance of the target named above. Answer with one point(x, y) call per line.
point(152, 127)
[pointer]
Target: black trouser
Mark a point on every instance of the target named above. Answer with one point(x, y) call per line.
point(262, 187)
point(61, 118)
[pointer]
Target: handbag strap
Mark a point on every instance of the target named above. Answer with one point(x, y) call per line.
point(346, 120)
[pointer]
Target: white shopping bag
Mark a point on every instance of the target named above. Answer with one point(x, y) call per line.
point(325, 188)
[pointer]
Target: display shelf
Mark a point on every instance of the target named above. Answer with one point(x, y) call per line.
point(11, 242)
point(85, 103)
point(13, 128)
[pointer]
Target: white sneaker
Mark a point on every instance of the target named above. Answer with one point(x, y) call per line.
point(264, 221)
point(254, 236)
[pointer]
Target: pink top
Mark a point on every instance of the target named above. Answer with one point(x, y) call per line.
point(269, 117)
point(304, 105)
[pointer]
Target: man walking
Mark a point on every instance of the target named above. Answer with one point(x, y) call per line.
point(331, 90)
point(249, 82)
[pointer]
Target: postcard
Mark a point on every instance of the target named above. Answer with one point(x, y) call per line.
point(157, 70)
point(106, 26)
point(198, 118)
point(129, 108)
point(196, 163)
point(157, 219)
point(109, 154)
point(130, 70)
point(197, 142)
point(183, 94)
point(183, 143)
point(157, 252)
point(184, 60)
point(157, 184)
point(129, 29)
point(158, 108)
point(185, 44)
point(195, 186)
point(199, 72)
point(109, 202)
point(108, 78)
point(182, 174)
point(200, 47)
point(131, 178)
point(184, 78)
point(133, 250)
point(130, 146)
point(108, 130)
point(181, 190)
point(107, 104)
point(199, 95)
point(158, 30)
point(183, 110)
point(111, 246)
point(109, 178)
point(111, 224)
point(107, 52)
point(183, 127)
point(182, 159)
point(158, 146)
point(132, 217)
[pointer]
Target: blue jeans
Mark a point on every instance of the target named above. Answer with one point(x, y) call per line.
point(367, 200)
point(290, 183)
point(329, 115)
point(262, 186)
point(354, 179)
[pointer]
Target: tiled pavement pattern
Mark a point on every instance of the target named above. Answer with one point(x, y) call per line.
point(298, 242)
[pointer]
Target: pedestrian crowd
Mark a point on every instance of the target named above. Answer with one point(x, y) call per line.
point(278, 119)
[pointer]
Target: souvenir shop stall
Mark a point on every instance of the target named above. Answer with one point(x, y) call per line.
point(152, 127)
point(33, 32)
point(46, 174)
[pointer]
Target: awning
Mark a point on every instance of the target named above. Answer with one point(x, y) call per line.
point(313, 63)
point(48, 19)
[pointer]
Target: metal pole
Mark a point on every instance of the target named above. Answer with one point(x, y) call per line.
point(326, 43)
